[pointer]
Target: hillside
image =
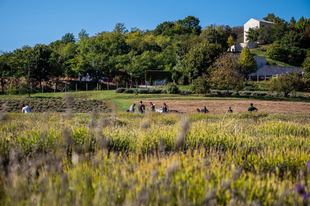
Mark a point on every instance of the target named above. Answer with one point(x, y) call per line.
point(261, 51)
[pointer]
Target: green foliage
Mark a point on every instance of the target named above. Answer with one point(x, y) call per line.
point(246, 62)
point(252, 35)
point(224, 73)
point(287, 83)
point(172, 88)
point(230, 41)
point(277, 52)
point(157, 75)
point(201, 85)
point(306, 66)
point(67, 38)
point(264, 36)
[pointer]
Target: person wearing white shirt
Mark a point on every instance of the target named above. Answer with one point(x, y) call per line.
point(25, 109)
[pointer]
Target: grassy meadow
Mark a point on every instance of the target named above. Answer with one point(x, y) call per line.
point(153, 159)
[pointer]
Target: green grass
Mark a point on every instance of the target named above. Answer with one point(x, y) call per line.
point(260, 52)
point(154, 159)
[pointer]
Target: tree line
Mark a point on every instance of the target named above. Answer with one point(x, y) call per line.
point(181, 47)
point(289, 40)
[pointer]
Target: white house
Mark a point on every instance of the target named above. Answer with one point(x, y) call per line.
point(253, 23)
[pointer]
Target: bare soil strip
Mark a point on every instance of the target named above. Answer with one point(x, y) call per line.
point(221, 106)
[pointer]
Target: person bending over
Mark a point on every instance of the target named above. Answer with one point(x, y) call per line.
point(25, 108)
point(252, 108)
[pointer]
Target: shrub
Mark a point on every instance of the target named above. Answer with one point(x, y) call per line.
point(120, 90)
point(172, 89)
point(200, 85)
point(128, 90)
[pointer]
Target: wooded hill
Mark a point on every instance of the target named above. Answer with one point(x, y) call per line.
point(182, 47)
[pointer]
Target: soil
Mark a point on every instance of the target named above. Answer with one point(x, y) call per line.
point(54, 105)
point(221, 106)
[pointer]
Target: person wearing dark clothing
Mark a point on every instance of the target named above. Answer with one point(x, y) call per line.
point(141, 108)
point(165, 108)
point(252, 108)
point(152, 107)
point(204, 110)
point(229, 110)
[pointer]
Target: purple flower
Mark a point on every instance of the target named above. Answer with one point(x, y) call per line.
point(305, 196)
point(308, 165)
point(88, 125)
point(300, 189)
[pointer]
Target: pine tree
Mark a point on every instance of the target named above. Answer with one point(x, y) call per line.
point(247, 64)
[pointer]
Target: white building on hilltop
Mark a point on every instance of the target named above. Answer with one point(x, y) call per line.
point(254, 23)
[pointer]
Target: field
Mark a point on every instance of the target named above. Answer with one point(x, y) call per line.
point(118, 158)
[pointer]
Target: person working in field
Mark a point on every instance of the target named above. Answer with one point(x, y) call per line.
point(25, 109)
point(132, 108)
point(229, 110)
point(165, 108)
point(252, 108)
point(204, 110)
point(152, 107)
point(141, 108)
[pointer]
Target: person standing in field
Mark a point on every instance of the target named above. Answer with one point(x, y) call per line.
point(252, 108)
point(152, 107)
point(25, 109)
point(229, 110)
point(141, 108)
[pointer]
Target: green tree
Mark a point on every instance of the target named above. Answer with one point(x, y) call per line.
point(164, 28)
point(201, 85)
point(247, 64)
point(276, 51)
point(306, 66)
point(189, 25)
point(287, 83)
point(211, 35)
point(200, 57)
point(39, 62)
point(4, 69)
point(252, 34)
point(83, 34)
point(302, 24)
point(264, 35)
point(292, 24)
point(57, 61)
point(67, 38)
point(230, 41)
point(278, 29)
point(224, 73)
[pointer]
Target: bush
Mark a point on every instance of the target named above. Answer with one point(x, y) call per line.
point(200, 85)
point(130, 91)
point(172, 89)
point(120, 90)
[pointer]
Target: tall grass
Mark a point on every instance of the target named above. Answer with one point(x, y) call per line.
point(154, 159)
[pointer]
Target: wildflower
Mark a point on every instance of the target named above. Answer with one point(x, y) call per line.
point(300, 189)
point(305, 196)
point(308, 165)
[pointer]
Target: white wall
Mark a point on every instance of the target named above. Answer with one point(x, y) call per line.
point(252, 23)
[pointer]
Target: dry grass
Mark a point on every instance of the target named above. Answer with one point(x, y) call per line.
point(238, 106)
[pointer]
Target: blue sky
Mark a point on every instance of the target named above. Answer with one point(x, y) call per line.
point(30, 22)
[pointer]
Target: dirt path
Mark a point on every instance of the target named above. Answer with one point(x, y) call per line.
point(221, 106)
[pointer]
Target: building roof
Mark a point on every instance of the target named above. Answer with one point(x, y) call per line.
point(268, 22)
point(269, 70)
